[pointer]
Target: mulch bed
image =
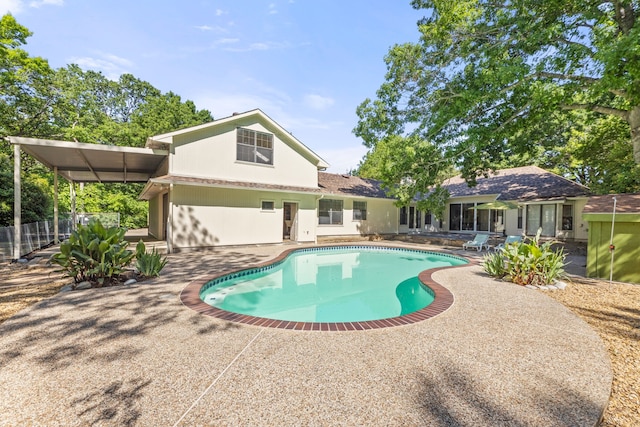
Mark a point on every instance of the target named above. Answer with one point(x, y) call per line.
point(24, 285)
point(612, 310)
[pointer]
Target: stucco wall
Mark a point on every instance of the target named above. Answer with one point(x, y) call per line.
point(382, 218)
point(581, 226)
point(511, 222)
point(211, 153)
point(205, 216)
point(155, 216)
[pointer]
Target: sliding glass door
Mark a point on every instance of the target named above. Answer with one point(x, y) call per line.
point(541, 216)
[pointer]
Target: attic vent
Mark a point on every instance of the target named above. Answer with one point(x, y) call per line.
point(346, 176)
point(235, 113)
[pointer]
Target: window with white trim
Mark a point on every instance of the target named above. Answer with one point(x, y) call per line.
point(329, 212)
point(541, 216)
point(427, 218)
point(567, 217)
point(253, 146)
point(268, 205)
point(359, 210)
point(403, 215)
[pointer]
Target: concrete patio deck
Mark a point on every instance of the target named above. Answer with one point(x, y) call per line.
point(501, 355)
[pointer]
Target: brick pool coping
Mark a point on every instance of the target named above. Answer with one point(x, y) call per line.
point(443, 299)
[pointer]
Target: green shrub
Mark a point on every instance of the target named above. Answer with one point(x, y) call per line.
point(494, 264)
point(94, 253)
point(149, 264)
point(527, 263)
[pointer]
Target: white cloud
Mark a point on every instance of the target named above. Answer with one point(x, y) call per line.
point(11, 6)
point(112, 66)
point(38, 3)
point(220, 12)
point(203, 27)
point(117, 60)
point(318, 102)
point(328, 133)
point(272, 9)
point(225, 41)
point(16, 6)
point(262, 46)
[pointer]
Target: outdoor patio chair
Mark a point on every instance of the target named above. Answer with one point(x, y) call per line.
point(478, 242)
point(509, 239)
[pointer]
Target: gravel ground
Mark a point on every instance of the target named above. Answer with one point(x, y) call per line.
point(614, 312)
point(611, 310)
point(24, 285)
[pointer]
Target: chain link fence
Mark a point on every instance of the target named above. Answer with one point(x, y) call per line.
point(37, 235)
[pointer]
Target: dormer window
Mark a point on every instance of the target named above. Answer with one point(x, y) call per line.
point(254, 147)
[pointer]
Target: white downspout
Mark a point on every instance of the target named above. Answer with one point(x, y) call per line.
point(170, 221)
point(611, 246)
point(315, 230)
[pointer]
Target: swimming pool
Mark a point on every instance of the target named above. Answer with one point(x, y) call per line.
point(331, 285)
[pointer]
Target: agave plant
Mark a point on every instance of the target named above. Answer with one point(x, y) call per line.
point(94, 253)
point(149, 264)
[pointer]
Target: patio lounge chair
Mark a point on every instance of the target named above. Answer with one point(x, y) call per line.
point(478, 242)
point(509, 239)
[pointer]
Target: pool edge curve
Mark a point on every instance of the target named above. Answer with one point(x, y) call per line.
point(443, 300)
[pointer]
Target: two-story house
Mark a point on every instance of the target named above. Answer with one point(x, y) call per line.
point(244, 179)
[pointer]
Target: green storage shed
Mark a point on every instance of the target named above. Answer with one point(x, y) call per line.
point(599, 213)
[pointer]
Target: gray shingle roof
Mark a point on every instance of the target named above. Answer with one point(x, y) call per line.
point(524, 183)
point(625, 203)
point(348, 185)
point(186, 180)
point(328, 183)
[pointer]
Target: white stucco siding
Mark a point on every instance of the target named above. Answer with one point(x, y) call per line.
point(581, 226)
point(307, 221)
point(211, 153)
point(382, 218)
point(579, 230)
point(511, 222)
point(206, 216)
point(155, 216)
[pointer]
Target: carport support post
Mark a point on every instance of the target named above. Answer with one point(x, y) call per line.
point(17, 206)
point(56, 230)
point(72, 192)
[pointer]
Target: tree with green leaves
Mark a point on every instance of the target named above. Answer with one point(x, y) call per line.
point(493, 81)
point(77, 105)
point(408, 167)
point(26, 91)
point(597, 154)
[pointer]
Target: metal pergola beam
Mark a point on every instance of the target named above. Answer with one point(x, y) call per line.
point(66, 158)
point(86, 162)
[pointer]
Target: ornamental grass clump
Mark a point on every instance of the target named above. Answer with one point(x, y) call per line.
point(94, 253)
point(527, 263)
point(149, 264)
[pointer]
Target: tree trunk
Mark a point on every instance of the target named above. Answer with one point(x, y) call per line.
point(634, 124)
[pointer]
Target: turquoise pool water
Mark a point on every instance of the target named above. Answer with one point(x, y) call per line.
point(331, 285)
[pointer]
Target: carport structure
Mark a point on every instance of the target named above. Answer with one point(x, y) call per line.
point(81, 162)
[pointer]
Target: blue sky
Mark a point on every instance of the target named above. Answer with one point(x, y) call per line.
point(306, 63)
